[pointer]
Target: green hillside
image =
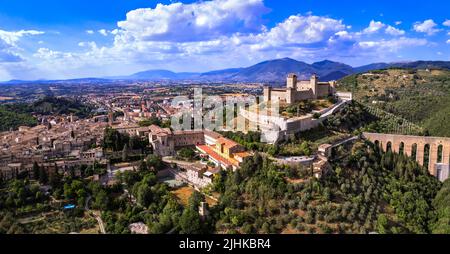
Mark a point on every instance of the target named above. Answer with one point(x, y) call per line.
point(419, 96)
point(10, 119)
point(60, 106)
point(18, 114)
point(366, 190)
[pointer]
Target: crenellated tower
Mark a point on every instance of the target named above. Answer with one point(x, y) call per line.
point(292, 81)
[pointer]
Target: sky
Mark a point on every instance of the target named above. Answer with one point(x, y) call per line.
point(54, 39)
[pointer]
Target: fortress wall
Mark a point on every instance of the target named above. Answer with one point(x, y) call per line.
point(189, 139)
point(305, 83)
point(346, 96)
point(278, 95)
point(302, 124)
point(303, 95)
point(293, 126)
point(323, 90)
point(306, 87)
point(267, 93)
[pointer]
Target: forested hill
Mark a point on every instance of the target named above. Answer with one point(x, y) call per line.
point(365, 191)
point(12, 120)
point(420, 96)
point(52, 105)
point(15, 115)
point(60, 106)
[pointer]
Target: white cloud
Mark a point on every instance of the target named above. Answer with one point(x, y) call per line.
point(448, 41)
point(90, 44)
point(427, 26)
point(373, 27)
point(198, 21)
point(90, 31)
point(12, 37)
point(9, 50)
point(297, 36)
point(394, 31)
point(298, 30)
point(103, 32)
point(10, 54)
point(218, 34)
point(397, 23)
point(392, 45)
point(47, 54)
point(446, 22)
point(376, 26)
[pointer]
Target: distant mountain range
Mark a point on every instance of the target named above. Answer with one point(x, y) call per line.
point(276, 71)
point(269, 71)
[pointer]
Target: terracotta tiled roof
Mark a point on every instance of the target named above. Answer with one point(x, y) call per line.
point(156, 130)
point(212, 134)
point(226, 142)
point(242, 154)
point(209, 151)
point(184, 132)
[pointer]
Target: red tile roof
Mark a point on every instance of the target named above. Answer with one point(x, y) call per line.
point(156, 130)
point(227, 142)
point(209, 151)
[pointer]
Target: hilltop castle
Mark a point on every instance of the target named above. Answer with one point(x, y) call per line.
point(298, 90)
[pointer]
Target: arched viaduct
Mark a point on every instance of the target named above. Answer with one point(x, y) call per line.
point(415, 147)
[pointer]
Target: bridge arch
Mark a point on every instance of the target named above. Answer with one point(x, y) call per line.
point(389, 146)
point(440, 153)
point(414, 151)
point(377, 143)
point(426, 155)
point(401, 148)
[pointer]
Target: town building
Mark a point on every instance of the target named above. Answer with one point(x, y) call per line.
point(222, 151)
point(225, 153)
point(200, 175)
point(165, 142)
point(64, 144)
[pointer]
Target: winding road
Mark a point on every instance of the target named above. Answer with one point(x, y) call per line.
point(95, 214)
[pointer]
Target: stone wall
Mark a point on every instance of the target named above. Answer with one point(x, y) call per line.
point(323, 90)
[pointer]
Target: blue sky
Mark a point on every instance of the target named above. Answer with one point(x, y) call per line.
point(50, 39)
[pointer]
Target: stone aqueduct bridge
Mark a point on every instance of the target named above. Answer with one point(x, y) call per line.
point(438, 148)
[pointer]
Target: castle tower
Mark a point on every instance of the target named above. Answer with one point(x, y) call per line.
point(267, 93)
point(332, 89)
point(314, 85)
point(292, 81)
point(290, 95)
